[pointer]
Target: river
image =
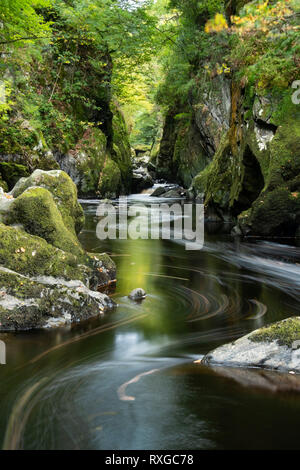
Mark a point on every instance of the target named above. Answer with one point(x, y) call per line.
point(128, 380)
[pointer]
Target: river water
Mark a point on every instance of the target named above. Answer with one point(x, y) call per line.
point(128, 380)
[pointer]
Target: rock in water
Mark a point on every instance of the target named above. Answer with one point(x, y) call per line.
point(158, 191)
point(276, 346)
point(46, 277)
point(137, 294)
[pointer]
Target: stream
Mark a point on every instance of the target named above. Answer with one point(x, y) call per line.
point(128, 380)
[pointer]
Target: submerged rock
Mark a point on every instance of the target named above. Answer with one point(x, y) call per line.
point(276, 346)
point(137, 294)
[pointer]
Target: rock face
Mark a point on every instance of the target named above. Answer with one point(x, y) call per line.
point(141, 178)
point(46, 277)
point(273, 347)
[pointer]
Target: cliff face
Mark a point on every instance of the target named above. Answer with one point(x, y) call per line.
point(236, 140)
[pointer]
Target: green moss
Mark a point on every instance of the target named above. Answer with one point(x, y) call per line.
point(63, 191)
point(121, 153)
point(188, 158)
point(37, 212)
point(273, 213)
point(28, 254)
point(284, 332)
point(3, 185)
point(216, 180)
point(90, 155)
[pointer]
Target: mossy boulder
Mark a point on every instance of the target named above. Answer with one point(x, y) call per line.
point(26, 303)
point(276, 346)
point(3, 185)
point(37, 212)
point(275, 213)
point(63, 190)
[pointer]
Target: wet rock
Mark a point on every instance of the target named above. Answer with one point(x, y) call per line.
point(44, 302)
point(46, 277)
point(159, 191)
point(276, 346)
point(137, 294)
point(175, 193)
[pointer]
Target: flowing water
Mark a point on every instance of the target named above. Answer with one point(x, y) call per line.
point(128, 380)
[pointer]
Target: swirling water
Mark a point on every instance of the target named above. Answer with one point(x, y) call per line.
point(128, 380)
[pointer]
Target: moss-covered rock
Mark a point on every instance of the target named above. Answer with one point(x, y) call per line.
point(110, 179)
point(63, 190)
point(275, 213)
point(121, 150)
point(285, 333)
point(3, 185)
point(46, 277)
point(26, 303)
point(275, 346)
point(37, 212)
point(12, 172)
point(28, 254)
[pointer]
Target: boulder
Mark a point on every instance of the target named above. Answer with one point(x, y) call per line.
point(141, 179)
point(175, 193)
point(36, 211)
point(46, 277)
point(63, 191)
point(159, 191)
point(27, 303)
point(276, 346)
point(137, 294)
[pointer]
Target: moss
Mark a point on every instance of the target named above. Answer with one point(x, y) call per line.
point(36, 211)
point(273, 213)
point(12, 172)
point(90, 155)
point(28, 254)
point(284, 332)
point(63, 191)
point(110, 179)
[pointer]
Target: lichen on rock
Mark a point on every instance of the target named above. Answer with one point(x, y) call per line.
point(276, 346)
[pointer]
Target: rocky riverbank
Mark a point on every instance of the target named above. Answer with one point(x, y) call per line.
point(46, 277)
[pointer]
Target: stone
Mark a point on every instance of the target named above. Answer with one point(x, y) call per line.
point(137, 294)
point(276, 346)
